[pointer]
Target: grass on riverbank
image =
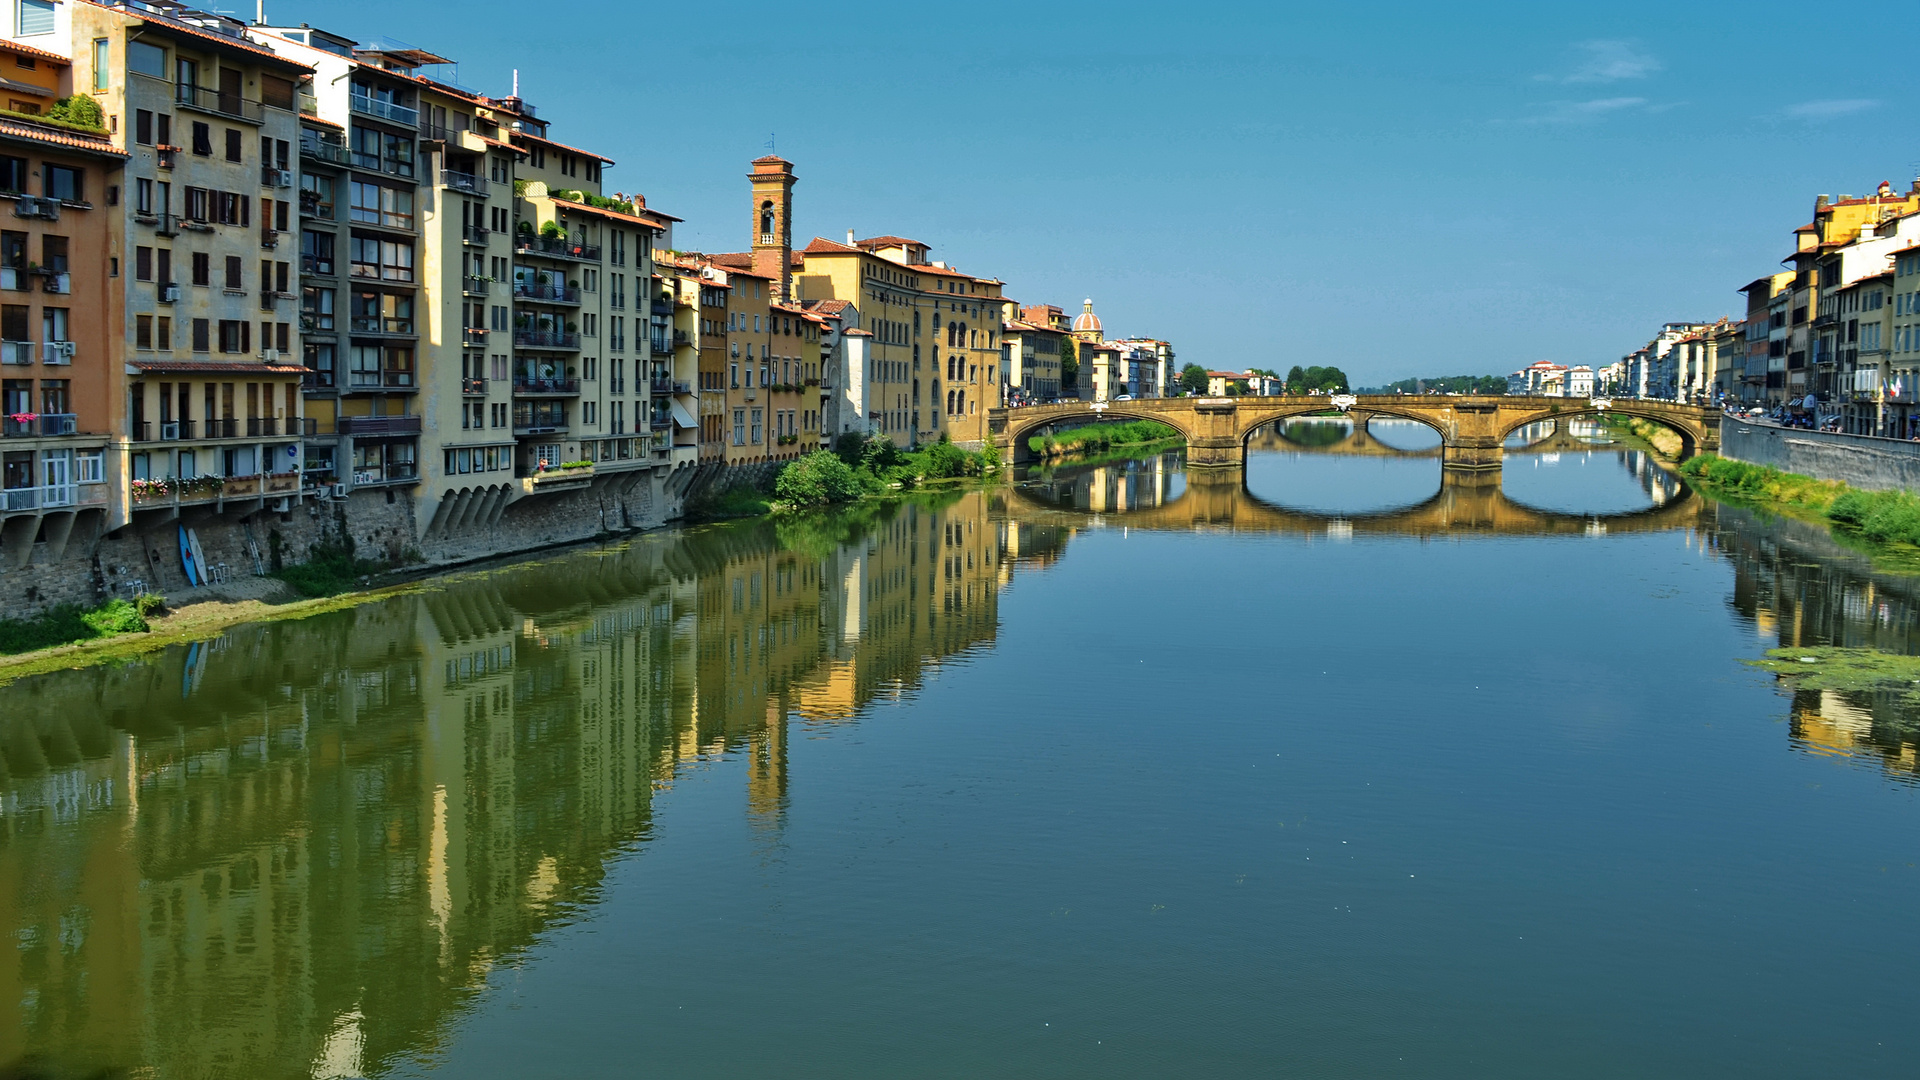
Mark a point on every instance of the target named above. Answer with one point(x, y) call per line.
point(70, 624)
point(1884, 525)
point(1095, 437)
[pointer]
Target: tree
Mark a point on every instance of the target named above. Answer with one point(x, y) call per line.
point(1069, 364)
point(816, 480)
point(1193, 379)
point(1296, 380)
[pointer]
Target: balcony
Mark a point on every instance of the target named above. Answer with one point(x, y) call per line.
point(475, 286)
point(663, 306)
point(369, 324)
point(166, 156)
point(474, 336)
point(37, 425)
point(431, 132)
point(476, 235)
point(473, 388)
point(546, 339)
point(16, 352)
point(59, 282)
point(396, 472)
point(559, 479)
point(384, 110)
point(558, 247)
point(259, 426)
point(323, 148)
point(313, 206)
point(368, 426)
point(543, 293)
point(528, 385)
point(239, 487)
point(467, 182)
point(386, 379)
point(51, 497)
point(207, 99)
point(57, 353)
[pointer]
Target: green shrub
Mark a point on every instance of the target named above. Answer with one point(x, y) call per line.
point(1884, 517)
point(78, 109)
point(817, 479)
point(116, 617)
point(71, 623)
point(1851, 509)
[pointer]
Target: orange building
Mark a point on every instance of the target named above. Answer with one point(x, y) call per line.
point(60, 381)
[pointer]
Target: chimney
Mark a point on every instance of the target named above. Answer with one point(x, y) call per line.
point(849, 237)
point(1820, 202)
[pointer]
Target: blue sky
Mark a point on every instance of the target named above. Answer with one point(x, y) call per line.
point(1395, 189)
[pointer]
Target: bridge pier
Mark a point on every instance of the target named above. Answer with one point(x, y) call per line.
point(1472, 455)
point(1216, 441)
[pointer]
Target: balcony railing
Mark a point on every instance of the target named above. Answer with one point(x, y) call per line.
point(660, 386)
point(557, 246)
point(386, 379)
point(475, 234)
point(31, 425)
point(369, 324)
point(432, 132)
point(235, 487)
point(312, 205)
point(208, 99)
point(473, 335)
point(59, 282)
point(385, 110)
point(473, 387)
point(16, 352)
point(475, 286)
point(534, 290)
point(663, 306)
point(531, 384)
point(378, 425)
point(315, 264)
point(322, 148)
point(263, 425)
point(228, 428)
point(546, 339)
point(467, 182)
point(49, 496)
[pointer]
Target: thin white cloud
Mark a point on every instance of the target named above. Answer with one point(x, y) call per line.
point(1607, 61)
point(1827, 110)
point(1580, 112)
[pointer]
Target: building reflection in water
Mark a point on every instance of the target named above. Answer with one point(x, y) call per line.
point(299, 849)
point(1797, 587)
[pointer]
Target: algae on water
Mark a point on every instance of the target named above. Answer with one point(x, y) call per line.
point(1831, 667)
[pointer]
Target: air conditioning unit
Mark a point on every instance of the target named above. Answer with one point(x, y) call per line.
point(60, 352)
point(285, 179)
point(27, 206)
point(169, 293)
point(339, 491)
point(170, 431)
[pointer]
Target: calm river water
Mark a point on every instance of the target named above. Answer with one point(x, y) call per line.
point(1345, 772)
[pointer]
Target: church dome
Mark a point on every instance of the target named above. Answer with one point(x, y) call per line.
point(1087, 320)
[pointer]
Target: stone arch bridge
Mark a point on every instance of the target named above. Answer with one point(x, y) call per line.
point(1472, 430)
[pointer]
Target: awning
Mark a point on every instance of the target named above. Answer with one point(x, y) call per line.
point(682, 417)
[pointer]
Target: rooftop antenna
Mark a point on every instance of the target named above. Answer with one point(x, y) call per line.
point(259, 12)
point(770, 146)
point(516, 82)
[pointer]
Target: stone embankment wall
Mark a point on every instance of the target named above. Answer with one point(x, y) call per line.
point(1863, 461)
point(93, 566)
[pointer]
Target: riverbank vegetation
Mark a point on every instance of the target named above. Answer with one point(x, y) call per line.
point(69, 624)
point(1884, 524)
point(1097, 437)
point(1859, 671)
point(857, 467)
point(1445, 384)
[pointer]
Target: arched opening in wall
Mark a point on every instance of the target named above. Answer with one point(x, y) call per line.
point(1304, 431)
point(1403, 433)
point(1594, 463)
point(1121, 434)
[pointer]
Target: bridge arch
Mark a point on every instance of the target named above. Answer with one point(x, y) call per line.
point(1261, 415)
point(1694, 437)
point(1023, 424)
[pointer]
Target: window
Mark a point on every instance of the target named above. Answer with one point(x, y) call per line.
point(163, 332)
point(143, 264)
point(89, 467)
point(13, 174)
point(276, 92)
point(36, 17)
point(739, 427)
point(316, 308)
point(201, 337)
point(142, 195)
point(316, 252)
point(376, 205)
point(143, 331)
point(202, 137)
point(234, 150)
point(102, 63)
point(53, 253)
point(235, 267)
point(319, 361)
point(64, 182)
point(386, 260)
point(202, 269)
point(147, 59)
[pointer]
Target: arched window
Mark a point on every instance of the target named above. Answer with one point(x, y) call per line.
point(949, 403)
point(766, 222)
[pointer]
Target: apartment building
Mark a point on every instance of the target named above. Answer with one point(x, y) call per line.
point(1031, 339)
point(206, 118)
point(1764, 377)
point(60, 383)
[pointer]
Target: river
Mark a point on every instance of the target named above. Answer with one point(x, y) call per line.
point(1344, 771)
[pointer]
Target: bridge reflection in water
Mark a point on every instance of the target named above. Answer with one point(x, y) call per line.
point(1155, 494)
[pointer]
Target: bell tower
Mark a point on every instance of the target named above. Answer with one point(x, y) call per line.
point(772, 233)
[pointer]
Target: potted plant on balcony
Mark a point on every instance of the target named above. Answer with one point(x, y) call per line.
point(551, 231)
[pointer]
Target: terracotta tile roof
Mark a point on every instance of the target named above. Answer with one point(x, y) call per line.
point(829, 308)
point(561, 145)
point(858, 333)
point(490, 141)
point(48, 135)
point(214, 367)
point(309, 118)
point(161, 22)
point(820, 245)
point(1021, 326)
point(768, 158)
point(38, 54)
point(888, 241)
point(616, 215)
point(733, 258)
